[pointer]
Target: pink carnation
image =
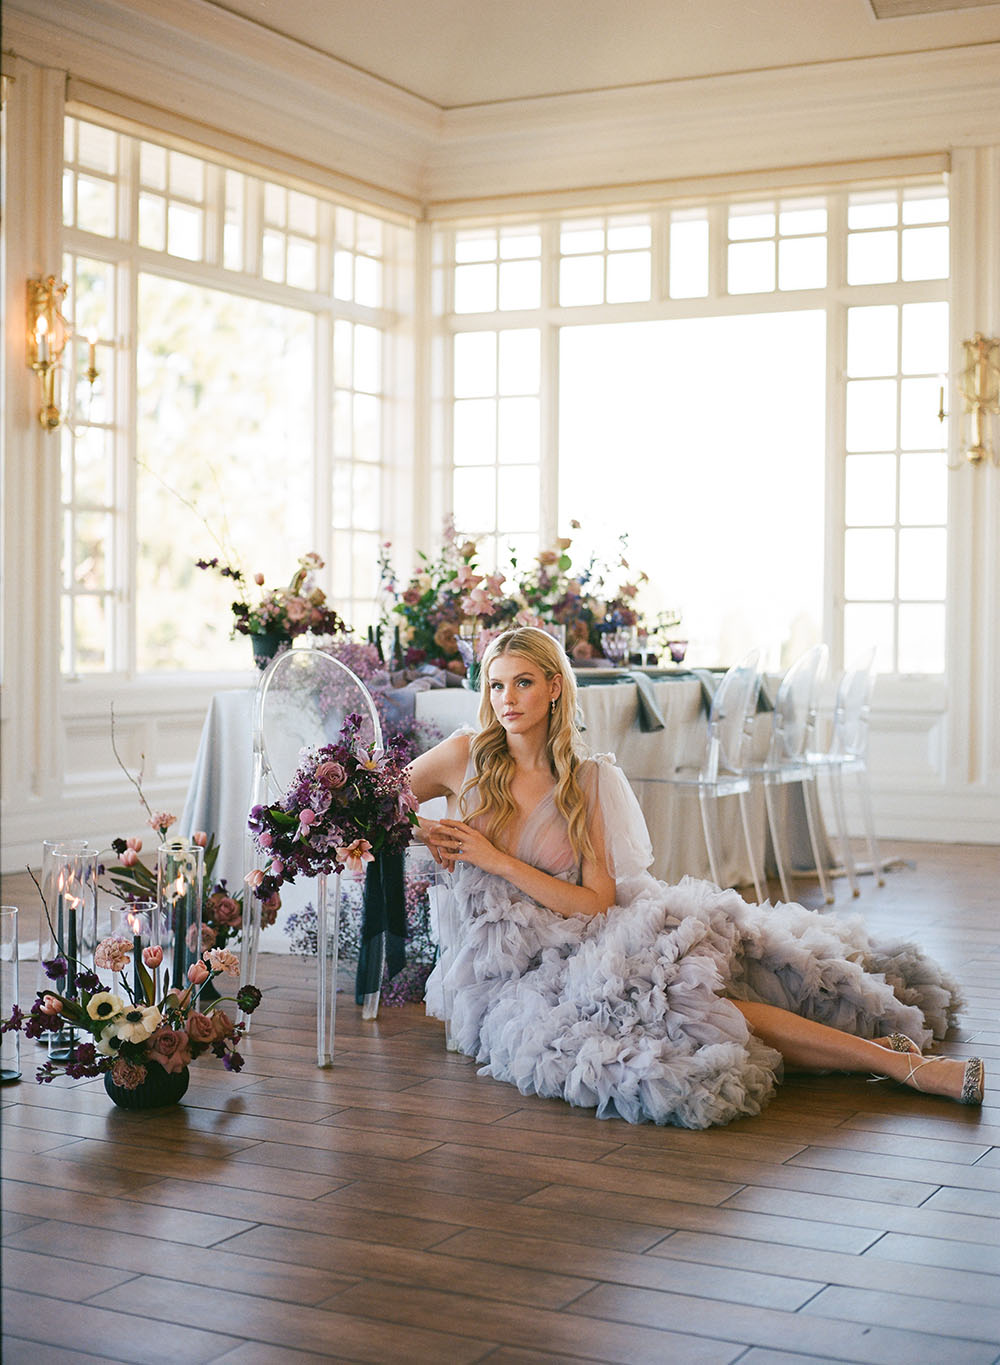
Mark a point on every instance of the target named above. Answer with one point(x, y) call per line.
point(126, 1075)
point(113, 954)
point(161, 820)
point(221, 960)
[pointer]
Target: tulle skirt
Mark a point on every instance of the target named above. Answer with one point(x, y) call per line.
point(631, 1013)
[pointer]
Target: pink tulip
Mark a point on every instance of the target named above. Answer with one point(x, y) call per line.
point(50, 1005)
point(197, 973)
point(200, 838)
point(134, 843)
point(258, 578)
point(129, 858)
point(152, 957)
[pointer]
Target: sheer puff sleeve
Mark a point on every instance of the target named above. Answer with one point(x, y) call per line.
point(612, 802)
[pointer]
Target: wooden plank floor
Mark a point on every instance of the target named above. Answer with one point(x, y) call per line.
point(401, 1208)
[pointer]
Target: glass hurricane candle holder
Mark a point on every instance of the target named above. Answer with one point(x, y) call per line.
point(69, 934)
point(179, 879)
point(10, 1042)
point(139, 921)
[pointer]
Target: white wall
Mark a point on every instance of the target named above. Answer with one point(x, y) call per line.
point(936, 748)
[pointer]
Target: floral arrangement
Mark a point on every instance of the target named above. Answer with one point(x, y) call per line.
point(128, 1028)
point(291, 611)
point(346, 804)
point(449, 594)
point(421, 950)
point(132, 880)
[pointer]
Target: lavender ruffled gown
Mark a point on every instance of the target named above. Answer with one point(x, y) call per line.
point(626, 1012)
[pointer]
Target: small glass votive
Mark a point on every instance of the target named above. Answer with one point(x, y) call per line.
point(10, 1042)
point(179, 882)
point(139, 922)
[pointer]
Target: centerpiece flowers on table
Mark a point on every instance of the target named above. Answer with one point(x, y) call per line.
point(279, 615)
point(349, 807)
point(450, 600)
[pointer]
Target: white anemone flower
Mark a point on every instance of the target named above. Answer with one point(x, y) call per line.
point(137, 1024)
point(105, 1005)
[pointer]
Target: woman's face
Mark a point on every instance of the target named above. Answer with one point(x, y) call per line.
point(520, 693)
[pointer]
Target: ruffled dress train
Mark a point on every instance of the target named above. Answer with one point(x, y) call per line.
point(627, 1012)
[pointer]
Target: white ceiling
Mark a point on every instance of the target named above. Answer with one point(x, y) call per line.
point(457, 53)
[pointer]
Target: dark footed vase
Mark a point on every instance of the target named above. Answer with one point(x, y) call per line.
point(159, 1089)
point(267, 645)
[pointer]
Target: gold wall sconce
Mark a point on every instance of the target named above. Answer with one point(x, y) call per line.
point(48, 334)
point(980, 387)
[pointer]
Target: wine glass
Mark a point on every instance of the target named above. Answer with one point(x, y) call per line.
point(615, 643)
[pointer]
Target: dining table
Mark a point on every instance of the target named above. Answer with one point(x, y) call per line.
point(652, 721)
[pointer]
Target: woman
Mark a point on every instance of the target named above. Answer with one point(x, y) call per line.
point(576, 974)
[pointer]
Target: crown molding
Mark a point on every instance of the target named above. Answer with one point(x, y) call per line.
point(232, 84)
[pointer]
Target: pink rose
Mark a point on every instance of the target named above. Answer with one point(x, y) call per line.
point(170, 1047)
point(50, 1005)
point(200, 1027)
point(225, 910)
point(331, 774)
point(197, 973)
point(296, 608)
point(223, 1025)
point(209, 937)
point(152, 957)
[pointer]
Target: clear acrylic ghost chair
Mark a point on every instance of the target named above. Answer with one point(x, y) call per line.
point(848, 753)
point(303, 698)
point(723, 770)
point(792, 733)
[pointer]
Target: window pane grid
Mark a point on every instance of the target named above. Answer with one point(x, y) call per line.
point(126, 608)
point(605, 260)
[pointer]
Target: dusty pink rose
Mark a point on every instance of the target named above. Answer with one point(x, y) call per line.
point(221, 960)
point(197, 973)
point(446, 636)
point(113, 954)
point(152, 956)
point(126, 1075)
point(296, 608)
point(582, 651)
point(200, 1027)
point(223, 1025)
point(331, 774)
point(412, 596)
point(548, 557)
point(170, 1047)
point(355, 855)
point(50, 1005)
point(200, 838)
point(225, 910)
point(209, 937)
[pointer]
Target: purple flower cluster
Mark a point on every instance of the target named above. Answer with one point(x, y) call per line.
point(345, 805)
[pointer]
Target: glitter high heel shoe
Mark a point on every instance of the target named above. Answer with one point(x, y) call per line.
point(973, 1079)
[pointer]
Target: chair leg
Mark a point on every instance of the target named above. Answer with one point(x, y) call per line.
point(811, 802)
point(869, 816)
point(776, 839)
point(707, 825)
point(326, 977)
point(758, 884)
point(837, 791)
point(249, 935)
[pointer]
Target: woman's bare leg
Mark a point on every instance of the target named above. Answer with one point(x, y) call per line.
point(816, 1047)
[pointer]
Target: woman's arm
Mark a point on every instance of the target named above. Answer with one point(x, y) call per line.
point(463, 843)
point(439, 772)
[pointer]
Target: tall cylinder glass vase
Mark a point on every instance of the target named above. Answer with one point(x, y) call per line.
point(10, 1043)
point(139, 922)
point(179, 879)
point(69, 935)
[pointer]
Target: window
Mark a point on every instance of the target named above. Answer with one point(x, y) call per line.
point(242, 338)
point(689, 351)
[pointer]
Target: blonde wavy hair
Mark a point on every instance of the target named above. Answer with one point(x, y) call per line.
point(492, 765)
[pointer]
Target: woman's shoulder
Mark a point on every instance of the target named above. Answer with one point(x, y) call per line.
point(594, 765)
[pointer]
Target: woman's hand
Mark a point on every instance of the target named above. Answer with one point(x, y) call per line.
point(460, 842)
